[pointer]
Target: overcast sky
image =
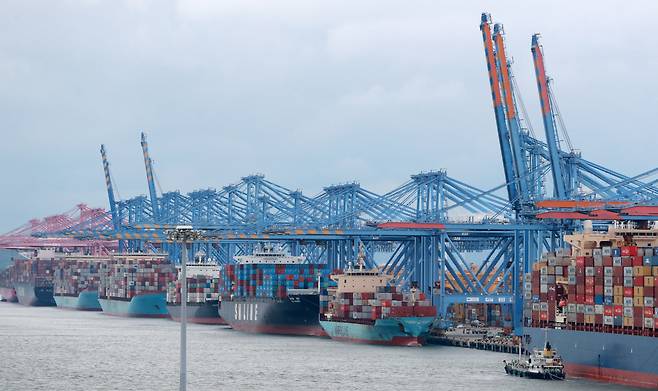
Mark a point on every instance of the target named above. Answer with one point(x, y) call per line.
point(307, 93)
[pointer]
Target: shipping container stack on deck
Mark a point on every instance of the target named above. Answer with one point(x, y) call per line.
point(269, 280)
point(384, 303)
point(72, 275)
point(125, 277)
point(199, 290)
point(611, 289)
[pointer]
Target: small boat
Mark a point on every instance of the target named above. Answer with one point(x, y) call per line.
point(541, 364)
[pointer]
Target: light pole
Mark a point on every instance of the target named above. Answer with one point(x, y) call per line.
point(183, 234)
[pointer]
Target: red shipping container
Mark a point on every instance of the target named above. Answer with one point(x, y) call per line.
point(638, 312)
point(628, 291)
point(598, 271)
point(598, 319)
point(648, 291)
point(638, 322)
point(580, 271)
point(580, 317)
point(638, 261)
point(543, 315)
point(589, 290)
point(629, 250)
point(648, 312)
point(627, 261)
point(598, 289)
point(589, 300)
point(580, 262)
point(589, 261)
point(608, 310)
point(607, 261)
point(638, 281)
point(589, 281)
point(655, 323)
point(617, 271)
point(580, 299)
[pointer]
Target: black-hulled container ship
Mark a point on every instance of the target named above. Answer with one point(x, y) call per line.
point(31, 277)
point(272, 292)
point(597, 305)
point(202, 295)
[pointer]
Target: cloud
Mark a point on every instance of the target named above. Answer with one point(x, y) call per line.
point(308, 93)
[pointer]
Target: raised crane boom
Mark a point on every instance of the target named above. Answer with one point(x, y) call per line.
point(513, 121)
point(110, 190)
point(150, 180)
point(549, 119)
point(501, 125)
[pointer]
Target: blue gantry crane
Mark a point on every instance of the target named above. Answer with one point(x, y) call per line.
point(460, 243)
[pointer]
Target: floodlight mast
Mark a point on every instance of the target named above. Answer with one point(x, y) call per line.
point(183, 234)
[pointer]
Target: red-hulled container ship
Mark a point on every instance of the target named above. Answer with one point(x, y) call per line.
point(597, 304)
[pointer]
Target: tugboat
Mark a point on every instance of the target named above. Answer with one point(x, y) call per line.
point(542, 364)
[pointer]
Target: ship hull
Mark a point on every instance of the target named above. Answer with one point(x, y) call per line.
point(84, 301)
point(616, 358)
point(151, 305)
point(293, 315)
point(8, 294)
point(36, 296)
point(201, 313)
point(410, 331)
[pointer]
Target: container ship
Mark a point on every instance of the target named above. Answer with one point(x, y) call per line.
point(31, 278)
point(135, 285)
point(202, 294)
point(597, 304)
point(365, 308)
point(272, 292)
point(76, 281)
point(7, 278)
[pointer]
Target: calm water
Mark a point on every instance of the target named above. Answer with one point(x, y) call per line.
point(53, 349)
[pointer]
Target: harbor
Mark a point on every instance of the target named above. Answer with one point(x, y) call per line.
point(409, 232)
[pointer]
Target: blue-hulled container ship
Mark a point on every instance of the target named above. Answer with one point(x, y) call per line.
point(597, 304)
point(365, 308)
point(76, 281)
point(272, 292)
point(134, 285)
point(84, 300)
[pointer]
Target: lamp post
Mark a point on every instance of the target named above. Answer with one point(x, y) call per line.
point(183, 234)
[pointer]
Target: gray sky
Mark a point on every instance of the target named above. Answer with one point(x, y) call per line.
point(307, 93)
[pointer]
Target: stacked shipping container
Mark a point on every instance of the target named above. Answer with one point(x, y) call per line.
point(268, 280)
point(613, 290)
point(384, 303)
point(72, 276)
point(126, 277)
point(199, 290)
